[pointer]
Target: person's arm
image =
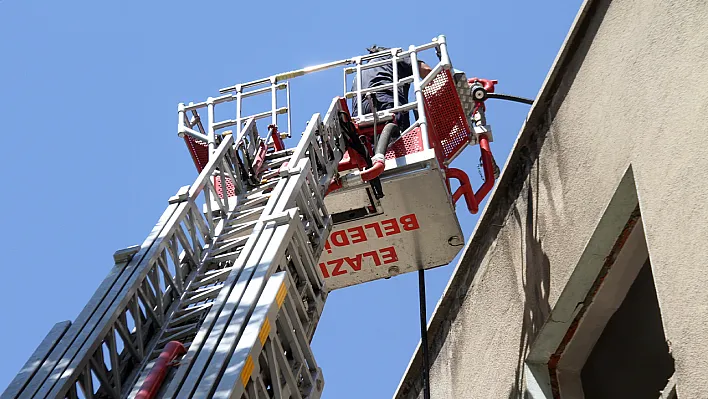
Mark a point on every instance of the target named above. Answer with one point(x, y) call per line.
point(424, 69)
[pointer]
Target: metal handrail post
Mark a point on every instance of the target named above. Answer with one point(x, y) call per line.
point(422, 121)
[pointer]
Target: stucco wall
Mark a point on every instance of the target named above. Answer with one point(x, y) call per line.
point(629, 90)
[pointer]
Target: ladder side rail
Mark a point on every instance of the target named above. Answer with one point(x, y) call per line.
point(219, 301)
point(143, 287)
point(35, 362)
point(299, 370)
point(316, 148)
point(305, 147)
point(258, 356)
point(208, 187)
point(185, 321)
point(308, 280)
point(214, 312)
point(299, 192)
point(135, 287)
point(200, 355)
point(324, 144)
point(95, 307)
point(277, 255)
point(297, 375)
point(187, 266)
point(207, 339)
point(263, 263)
point(243, 362)
point(223, 166)
point(295, 328)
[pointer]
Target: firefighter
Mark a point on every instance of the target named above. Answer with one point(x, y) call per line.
point(382, 75)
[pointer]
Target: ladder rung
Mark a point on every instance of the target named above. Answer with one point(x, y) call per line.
point(231, 256)
point(275, 163)
point(213, 276)
point(279, 154)
point(241, 227)
point(247, 215)
point(176, 321)
point(231, 244)
point(185, 310)
point(204, 294)
point(177, 333)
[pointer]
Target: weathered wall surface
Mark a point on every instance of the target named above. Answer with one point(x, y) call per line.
point(629, 90)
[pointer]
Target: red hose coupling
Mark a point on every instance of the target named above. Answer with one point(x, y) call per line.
point(374, 171)
point(154, 380)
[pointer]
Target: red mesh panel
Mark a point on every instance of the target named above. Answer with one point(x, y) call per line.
point(446, 118)
point(230, 189)
point(408, 144)
point(200, 155)
point(199, 151)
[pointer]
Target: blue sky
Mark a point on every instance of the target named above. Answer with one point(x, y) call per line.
point(89, 92)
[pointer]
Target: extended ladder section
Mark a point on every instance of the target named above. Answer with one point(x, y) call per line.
point(236, 282)
point(223, 297)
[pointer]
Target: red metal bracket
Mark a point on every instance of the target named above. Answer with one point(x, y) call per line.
point(465, 189)
point(488, 166)
point(473, 199)
point(260, 157)
point(278, 143)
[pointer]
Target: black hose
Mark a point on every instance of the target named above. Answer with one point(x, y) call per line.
point(510, 98)
point(424, 334)
point(390, 130)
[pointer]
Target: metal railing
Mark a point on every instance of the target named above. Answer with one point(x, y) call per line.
point(216, 127)
point(352, 66)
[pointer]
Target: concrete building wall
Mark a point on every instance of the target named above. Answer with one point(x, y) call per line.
point(622, 120)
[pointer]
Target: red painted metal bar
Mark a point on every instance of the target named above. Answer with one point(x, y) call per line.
point(488, 166)
point(260, 157)
point(278, 143)
point(154, 380)
point(465, 189)
point(473, 199)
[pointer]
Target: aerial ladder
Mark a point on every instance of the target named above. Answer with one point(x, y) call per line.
point(223, 297)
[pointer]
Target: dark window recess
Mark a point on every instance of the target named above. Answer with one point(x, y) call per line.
point(631, 358)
